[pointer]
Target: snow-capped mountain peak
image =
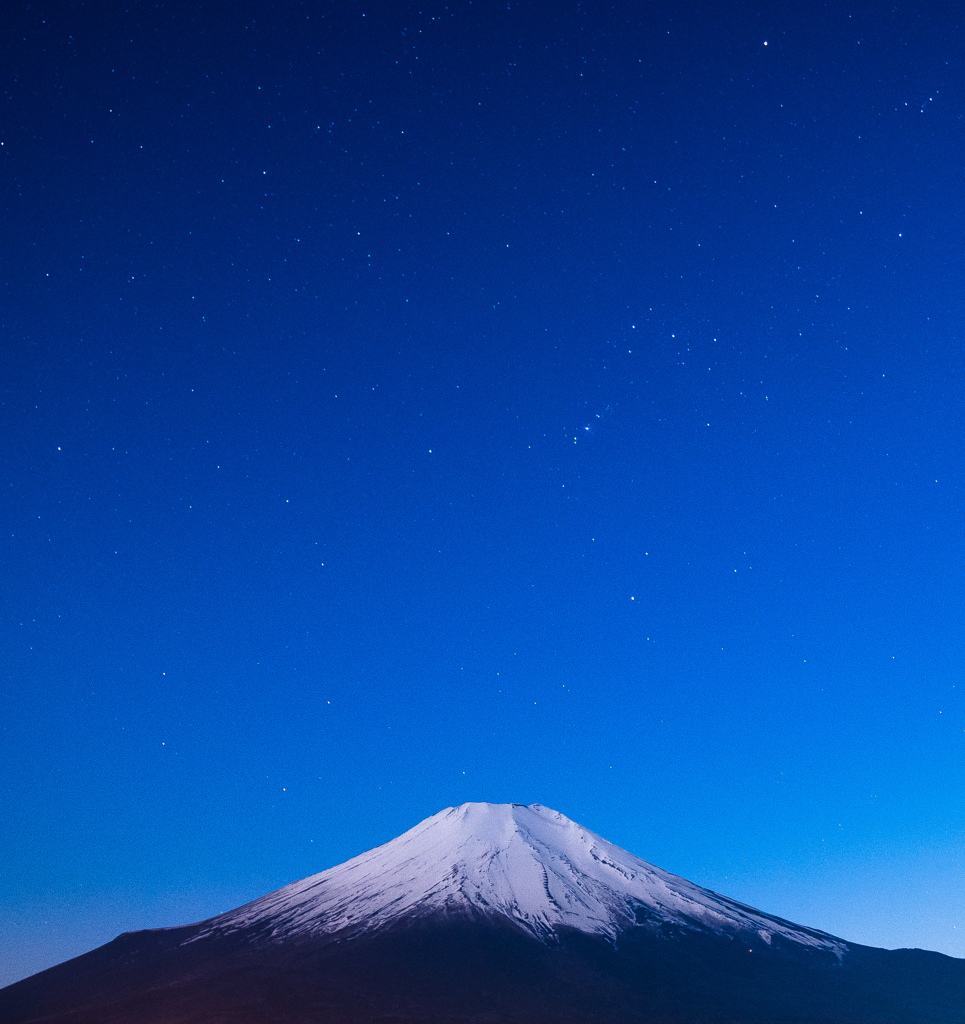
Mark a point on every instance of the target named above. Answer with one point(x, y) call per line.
point(529, 865)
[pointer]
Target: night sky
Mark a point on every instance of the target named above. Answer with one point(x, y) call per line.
point(405, 404)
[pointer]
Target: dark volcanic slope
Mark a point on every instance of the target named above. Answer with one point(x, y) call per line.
point(492, 913)
point(446, 971)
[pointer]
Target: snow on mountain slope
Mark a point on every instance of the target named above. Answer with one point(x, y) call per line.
point(530, 865)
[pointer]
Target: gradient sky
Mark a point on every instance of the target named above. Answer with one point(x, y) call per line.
point(406, 404)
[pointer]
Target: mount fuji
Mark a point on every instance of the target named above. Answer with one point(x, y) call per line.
point(486, 913)
point(528, 867)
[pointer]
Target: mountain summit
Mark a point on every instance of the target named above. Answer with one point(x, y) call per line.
point(492, 914)
point(531, 866)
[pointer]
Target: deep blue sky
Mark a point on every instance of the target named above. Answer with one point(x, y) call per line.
point(406, 404)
